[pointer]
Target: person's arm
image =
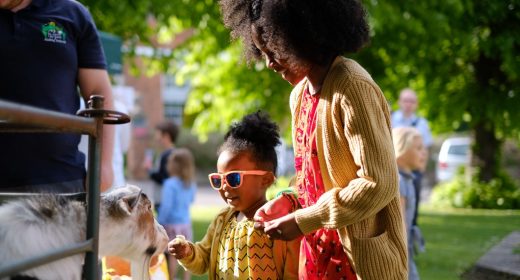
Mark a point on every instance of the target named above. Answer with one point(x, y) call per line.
point(284, 203)
point(168, 194)
point(199, 261)
point(96, 82)
point(363, 112)
point(424, 129)
point(160, 174)
point(194, 191)
point(403, 206)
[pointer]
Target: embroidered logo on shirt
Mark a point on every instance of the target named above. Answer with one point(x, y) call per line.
point(54, 33)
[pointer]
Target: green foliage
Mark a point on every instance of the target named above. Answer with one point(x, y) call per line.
point(500, 193)
point(462, 57)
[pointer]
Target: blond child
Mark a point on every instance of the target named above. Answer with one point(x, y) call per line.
point(411, 155)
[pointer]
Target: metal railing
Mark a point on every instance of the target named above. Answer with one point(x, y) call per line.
point(17, 118)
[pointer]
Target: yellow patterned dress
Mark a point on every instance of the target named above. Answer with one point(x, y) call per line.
point(245, 253)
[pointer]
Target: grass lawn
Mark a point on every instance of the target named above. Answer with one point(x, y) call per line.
point(455, 239)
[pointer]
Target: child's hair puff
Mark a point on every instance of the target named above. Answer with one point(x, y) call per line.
point(257, 135)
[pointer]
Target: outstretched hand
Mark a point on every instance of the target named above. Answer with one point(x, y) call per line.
point(179, 247)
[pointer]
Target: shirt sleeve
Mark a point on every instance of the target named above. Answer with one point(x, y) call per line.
point(199, 262)
point(90, 51)
point(424, 128)
point(366, 133)
point(193, 192)
point(402, 187)
point(168, 195)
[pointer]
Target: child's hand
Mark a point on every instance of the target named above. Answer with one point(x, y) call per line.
point(179, 247)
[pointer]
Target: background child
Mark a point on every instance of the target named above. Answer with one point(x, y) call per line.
point(411, 155)
point(232, 247)
point(166, 134)
point(178, 193)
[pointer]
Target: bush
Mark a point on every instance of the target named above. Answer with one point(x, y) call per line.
point(500, 193)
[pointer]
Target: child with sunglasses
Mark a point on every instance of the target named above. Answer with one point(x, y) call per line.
point(346, 174)
point(232, 248)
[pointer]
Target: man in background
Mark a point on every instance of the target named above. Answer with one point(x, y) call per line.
point(406, 117)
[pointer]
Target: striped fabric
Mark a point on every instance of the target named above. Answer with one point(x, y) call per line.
point(245, 253)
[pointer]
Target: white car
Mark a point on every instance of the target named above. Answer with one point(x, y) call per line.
point(454, 153)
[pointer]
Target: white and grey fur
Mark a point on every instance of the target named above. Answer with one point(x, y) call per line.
point(30, 227)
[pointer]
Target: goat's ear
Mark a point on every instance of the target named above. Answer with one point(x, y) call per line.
point(129, 202)
point(132, 200)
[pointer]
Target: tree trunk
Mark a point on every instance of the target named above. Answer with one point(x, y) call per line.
point(486, 152)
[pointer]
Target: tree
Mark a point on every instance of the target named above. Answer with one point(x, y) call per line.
point(223, 87)
point(462, 57)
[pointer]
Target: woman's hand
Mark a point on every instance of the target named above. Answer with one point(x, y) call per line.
point(273, 209)
point(179, 247)
point(284, 228)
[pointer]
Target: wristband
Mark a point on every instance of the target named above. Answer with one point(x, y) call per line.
point(288, 191)
point(292, 200)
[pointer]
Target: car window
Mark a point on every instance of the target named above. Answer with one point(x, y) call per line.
point(458, 150)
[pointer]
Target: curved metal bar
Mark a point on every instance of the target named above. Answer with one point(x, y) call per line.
point(109, 116)
point(30, 118)
point(25, 264)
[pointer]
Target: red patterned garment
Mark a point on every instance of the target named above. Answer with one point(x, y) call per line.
point(321, 252)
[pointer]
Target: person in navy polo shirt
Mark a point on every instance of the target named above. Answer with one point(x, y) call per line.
point(48, 50)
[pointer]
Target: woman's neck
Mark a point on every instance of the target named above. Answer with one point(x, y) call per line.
point(317, 75)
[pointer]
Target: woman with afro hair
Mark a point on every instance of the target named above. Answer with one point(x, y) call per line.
point(346, 175)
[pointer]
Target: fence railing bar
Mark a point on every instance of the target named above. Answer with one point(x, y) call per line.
point(44, 258)
point(16, 114)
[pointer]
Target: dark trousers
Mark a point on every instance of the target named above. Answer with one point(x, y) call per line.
point(417, 183)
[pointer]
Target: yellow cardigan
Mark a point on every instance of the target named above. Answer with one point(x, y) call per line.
point(205, 252)
point(359, 172)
